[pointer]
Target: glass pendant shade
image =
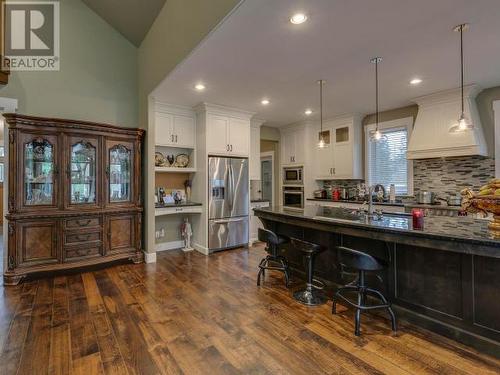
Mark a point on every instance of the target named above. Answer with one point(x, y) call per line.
point(377, 136)
point(321, 143)
point(463, 124)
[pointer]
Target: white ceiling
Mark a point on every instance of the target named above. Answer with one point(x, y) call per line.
point(132, 18)
point(258, 53)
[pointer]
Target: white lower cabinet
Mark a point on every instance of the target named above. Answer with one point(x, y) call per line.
point(255, 222)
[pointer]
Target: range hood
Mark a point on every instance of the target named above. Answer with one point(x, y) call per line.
point(436, 114)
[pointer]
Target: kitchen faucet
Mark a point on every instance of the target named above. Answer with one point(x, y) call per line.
point(370, 200)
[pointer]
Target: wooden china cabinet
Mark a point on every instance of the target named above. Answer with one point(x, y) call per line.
point(74, 196)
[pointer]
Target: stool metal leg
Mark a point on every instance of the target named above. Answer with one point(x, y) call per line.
point(310, 296)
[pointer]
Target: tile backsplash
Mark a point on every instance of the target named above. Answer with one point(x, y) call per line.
point(447, 176)
point(443, 176)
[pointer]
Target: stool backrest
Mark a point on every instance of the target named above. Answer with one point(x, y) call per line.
point(356, 259)
point(305, 246)
point(265, 235)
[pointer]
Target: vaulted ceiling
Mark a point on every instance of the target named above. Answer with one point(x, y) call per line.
point(132, 18)
point(257, 53)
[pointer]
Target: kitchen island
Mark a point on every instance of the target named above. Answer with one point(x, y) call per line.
point(444, 277)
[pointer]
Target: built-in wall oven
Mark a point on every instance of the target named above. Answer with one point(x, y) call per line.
point(293, 197)
point(293, 176)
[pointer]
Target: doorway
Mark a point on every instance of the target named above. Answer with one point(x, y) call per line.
point(267, 176)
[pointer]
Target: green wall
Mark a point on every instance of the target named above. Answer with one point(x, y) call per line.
point(98, 76)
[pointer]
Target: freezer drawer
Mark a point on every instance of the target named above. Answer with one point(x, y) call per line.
point(227, 233)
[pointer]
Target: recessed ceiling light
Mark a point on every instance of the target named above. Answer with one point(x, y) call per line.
point(265, 101)
point(416, 81)
point(200, 87)
point(298, 18)
point(308, 112)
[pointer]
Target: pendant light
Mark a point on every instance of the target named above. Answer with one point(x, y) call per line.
point(321, 143)
point(377, 135)
point(463, 122)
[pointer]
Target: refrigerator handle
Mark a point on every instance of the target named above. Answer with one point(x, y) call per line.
point(225, 221)
point(230, 196)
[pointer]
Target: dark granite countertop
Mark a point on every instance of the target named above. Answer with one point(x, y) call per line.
point(183, 204)
point(462, 229)
point(259, 200)
point(396, 204)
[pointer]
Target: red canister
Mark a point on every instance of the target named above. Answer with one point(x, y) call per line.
point(418, 218)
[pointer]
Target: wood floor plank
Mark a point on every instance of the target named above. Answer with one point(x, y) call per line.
point(14, 342)
point(60, 361)
point(36, 351)
point(192, 314)
point(128, 335)
point(111, 357)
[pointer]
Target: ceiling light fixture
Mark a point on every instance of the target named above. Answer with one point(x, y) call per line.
point(321, 143)
point(415, 81)
point(308, 112)
point(200, 86)
point(377, 135)
point(298, 18)
point(463, 122)
point(265, 101)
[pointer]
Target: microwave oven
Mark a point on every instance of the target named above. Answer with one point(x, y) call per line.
point(293, 176)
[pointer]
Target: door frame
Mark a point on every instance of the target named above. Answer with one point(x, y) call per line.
point(266, 156)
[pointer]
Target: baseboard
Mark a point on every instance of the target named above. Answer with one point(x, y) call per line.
point(149, 257)
point(172, 245)
point(201, 249)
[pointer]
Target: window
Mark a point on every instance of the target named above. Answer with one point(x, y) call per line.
point(386, 161)
point(2, 154)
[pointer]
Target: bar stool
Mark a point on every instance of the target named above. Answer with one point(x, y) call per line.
point(273, 242)
point(309, 296)
point(362, 263)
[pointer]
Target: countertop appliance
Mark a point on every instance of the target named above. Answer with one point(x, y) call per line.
point(228, 222)
point(425, 197)
point(293, 197)
point(293, 176)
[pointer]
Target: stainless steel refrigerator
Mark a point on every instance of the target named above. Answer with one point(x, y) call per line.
point(228, 222)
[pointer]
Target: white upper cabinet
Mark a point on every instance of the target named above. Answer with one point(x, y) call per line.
point(342, 158)
point(174, 129)
point(239, 137)
point(228, 135)
point(254, 157)
point(184, 131)
point(217, 134)
point(293, 146)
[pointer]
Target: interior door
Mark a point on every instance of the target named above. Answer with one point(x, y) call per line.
point(239, 137)
point(184, 131)
point(83, 172)
point(164, 129)
point(119, 173)
point(38, 171)
point(217, 135)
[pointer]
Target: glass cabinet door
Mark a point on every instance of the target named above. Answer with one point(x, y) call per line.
point(39, 170)
point(119, 173)
point(83, 166)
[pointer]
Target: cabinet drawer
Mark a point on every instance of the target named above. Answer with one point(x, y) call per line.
point(83, 223)
point(81, 238)
point(77, 253)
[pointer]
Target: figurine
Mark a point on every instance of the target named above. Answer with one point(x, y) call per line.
point(186, 232)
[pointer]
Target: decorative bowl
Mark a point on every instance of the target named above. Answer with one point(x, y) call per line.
point(484, 204)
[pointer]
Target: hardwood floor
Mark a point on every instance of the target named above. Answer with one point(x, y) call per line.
point(204, 315)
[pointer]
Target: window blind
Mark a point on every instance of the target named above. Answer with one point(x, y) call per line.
point(387, 162)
